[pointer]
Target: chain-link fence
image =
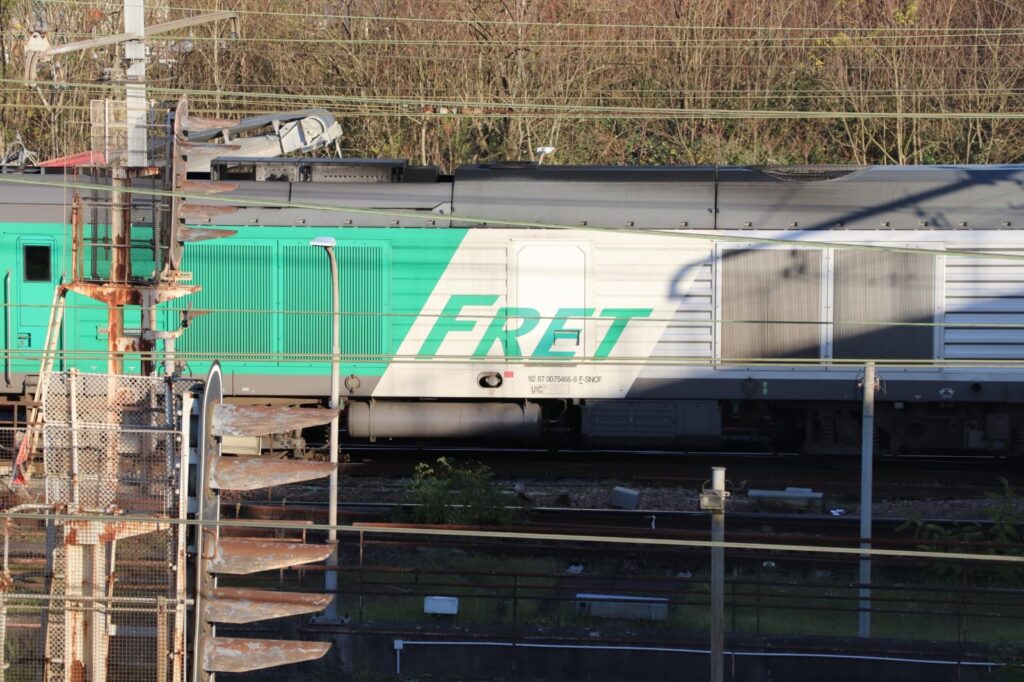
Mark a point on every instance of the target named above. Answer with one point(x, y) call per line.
point(108, 130)
point(111, 440)
point(86, 597)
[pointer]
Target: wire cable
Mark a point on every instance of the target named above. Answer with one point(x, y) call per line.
point(499, 108)
point(143, 519)
point(513, 23)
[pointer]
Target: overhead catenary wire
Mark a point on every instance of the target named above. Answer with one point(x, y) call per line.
point(430, 109)
point(304, 358)
point(753, 90)
point(542, 318)
point(206, 6)
point(836, 41)
point(501, 108)
point(819, 39)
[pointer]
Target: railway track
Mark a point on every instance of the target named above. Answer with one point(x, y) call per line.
point(743, 526)
point(905, 478)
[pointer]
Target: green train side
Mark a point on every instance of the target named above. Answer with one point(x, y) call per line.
point(265, 288)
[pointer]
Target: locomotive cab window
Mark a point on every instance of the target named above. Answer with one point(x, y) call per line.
point(37, 263)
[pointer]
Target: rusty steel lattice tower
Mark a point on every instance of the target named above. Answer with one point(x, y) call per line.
point(116, 586)
point(124, 592)
point(115, 590)
point(112, 444)
point(119, 597)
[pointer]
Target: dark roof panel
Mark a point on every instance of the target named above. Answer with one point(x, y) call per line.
point(598, 196)
point(874, 197)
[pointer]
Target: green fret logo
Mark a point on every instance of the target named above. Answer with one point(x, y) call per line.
point(469, 317)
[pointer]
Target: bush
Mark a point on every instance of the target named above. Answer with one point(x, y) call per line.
point(460, 495)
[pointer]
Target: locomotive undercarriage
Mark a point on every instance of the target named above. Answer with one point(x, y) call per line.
point(811, 428)
point(913, 429)
point(820, 428)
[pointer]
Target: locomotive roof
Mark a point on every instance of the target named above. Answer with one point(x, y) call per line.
point(655, 197)
point(807, 197)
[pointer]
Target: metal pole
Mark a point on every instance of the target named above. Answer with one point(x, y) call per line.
point(717, 576)
point(170, 364)
point(3, 602)
point(866, 471)
point(118, 272)
point(73, 418)
point(135, 89)
point(331, 580)
point(8, 347)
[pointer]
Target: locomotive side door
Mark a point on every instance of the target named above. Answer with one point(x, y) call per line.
point(550, 287)
point(35, 279)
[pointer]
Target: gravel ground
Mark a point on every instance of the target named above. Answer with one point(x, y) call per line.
point(591, 495)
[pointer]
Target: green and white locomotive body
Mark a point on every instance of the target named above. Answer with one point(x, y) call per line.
point(644, 307)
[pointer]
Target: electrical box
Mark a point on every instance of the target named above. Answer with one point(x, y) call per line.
point(441, 606)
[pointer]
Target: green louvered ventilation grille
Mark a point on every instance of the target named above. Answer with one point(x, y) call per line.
point(245, 277)
point(364, 300)
point(233, 278)
point(364, 275)
point(306, 274)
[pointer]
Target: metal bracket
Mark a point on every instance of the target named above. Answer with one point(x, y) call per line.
point(39, 50)
point(711, 500)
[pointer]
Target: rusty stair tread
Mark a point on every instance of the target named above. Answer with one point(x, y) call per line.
point(253, 473)
point(243, 557)
point(262, 420)
point(243, 654)
point(244, 605)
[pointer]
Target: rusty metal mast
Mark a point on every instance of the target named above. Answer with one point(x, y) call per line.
point(120, 135)
point(107, 267)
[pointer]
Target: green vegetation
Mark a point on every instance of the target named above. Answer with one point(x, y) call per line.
point(446, 493)
point(1000, 537)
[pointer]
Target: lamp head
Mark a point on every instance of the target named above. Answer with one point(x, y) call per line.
point(326, 242)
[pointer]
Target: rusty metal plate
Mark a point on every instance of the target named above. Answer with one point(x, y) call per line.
point(242, 557)
point(240, 605)
point(194, 234)
point(123, 294)
point(239, 654)
point(207, 186)
point(100, 532)
point(205, 210)
point(260, 420)
point(252, 473)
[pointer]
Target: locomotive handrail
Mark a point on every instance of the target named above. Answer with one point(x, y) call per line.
point(7, 327)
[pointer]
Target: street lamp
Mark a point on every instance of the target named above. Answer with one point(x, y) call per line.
point(331, 577)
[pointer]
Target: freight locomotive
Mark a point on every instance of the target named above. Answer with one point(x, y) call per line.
point(664, 308)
